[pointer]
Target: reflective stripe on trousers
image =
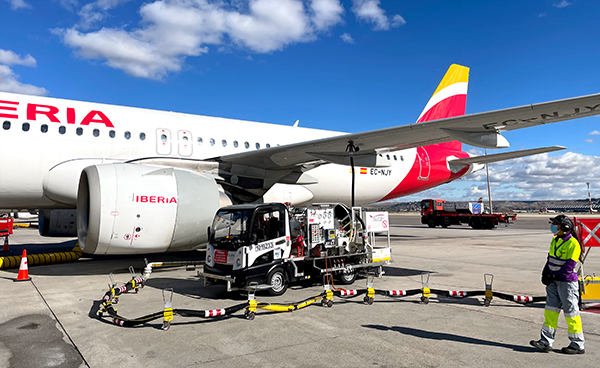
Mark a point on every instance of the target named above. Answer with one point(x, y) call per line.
point(562, 295)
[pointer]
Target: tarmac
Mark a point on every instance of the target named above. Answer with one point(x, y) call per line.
point(51, 320)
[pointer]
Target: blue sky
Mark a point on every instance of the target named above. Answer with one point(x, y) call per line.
point(348, 65)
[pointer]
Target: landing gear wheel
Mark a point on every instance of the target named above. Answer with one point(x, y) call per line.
point(487, 302)
point(249, 315)
point(368, 300)
point(431, 223)
point(277, 281)
point(424, 300)
point(347, 277)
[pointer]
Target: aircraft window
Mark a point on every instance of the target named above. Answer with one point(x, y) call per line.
point(142, 136)
point(6, 125)
point(380, 155)
point(79, 131)
point(387, 156)
point(96, 132)
point(401, 158)
point(185, 138)
point(395, 158)
point(44, 128)
point(212, 141)
point(127, 135)
point(235, 144)
point(62, 129)
point(268, 145)
point(111, 133)
point(257, 145)
point(224, 142)
point(199, 140)
point(246, 144)
point(163, 138)
point(25, 127)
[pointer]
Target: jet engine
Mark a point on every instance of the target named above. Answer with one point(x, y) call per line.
point(132, 209)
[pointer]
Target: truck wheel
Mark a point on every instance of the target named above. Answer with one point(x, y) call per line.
point(431, 223)
point(277, 281)
point(445, 222)
point(347, 277)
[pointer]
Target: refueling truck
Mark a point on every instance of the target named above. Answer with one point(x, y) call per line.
point(269, 246)
point(436, 212)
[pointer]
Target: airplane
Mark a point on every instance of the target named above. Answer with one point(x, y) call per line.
point(147, 181)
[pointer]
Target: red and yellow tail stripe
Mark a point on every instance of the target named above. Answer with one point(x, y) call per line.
point(450, 97)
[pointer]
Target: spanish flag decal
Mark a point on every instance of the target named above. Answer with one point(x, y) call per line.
point(363, 170)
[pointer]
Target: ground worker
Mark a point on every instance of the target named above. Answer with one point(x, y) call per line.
point(562, 288)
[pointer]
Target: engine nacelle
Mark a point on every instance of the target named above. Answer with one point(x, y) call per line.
point(57, 223)
point(132, 209)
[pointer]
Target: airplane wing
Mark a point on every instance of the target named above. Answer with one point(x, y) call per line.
point(503, 156)
point(481, 130)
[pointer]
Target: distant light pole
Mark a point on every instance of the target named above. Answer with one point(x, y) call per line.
point(488, 183)
point(590, 198)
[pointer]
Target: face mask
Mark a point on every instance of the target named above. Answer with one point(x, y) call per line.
point(554, 229)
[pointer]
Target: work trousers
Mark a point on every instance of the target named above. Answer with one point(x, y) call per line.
point(562, 295)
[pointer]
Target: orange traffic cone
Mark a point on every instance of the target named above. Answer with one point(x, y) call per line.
point(5, 247)
point(23, 269)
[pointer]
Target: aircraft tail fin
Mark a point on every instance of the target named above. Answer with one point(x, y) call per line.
point(449, 99)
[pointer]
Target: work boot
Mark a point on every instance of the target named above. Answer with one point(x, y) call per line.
point(571, 350)
point(540, 346)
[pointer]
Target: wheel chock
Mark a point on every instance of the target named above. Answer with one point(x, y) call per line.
point(168, 312)
point(426, 291)
point(488, 278)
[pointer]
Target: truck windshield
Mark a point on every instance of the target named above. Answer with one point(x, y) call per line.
point(229, 228)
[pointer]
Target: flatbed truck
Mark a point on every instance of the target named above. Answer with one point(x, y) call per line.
point(436, 212)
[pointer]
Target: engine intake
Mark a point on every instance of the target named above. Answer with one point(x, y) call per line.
point(132, 209)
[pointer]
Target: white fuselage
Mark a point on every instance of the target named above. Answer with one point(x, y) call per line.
point(39, 133)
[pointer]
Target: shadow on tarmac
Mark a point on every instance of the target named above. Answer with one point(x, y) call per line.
point(451, 337)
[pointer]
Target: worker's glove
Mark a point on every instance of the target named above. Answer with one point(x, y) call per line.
point(547, 276)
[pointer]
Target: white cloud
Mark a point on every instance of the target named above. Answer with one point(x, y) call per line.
point(347, 38)
point(326, 13)
point(370, 11)
point(171, 30)
point(594, 132)
point(8, 57)
point(562, 4)
point(9, 82)
point(68, 4)
point(589, 140)
point(18, 4)
point(96, 11)
point(542, 177)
